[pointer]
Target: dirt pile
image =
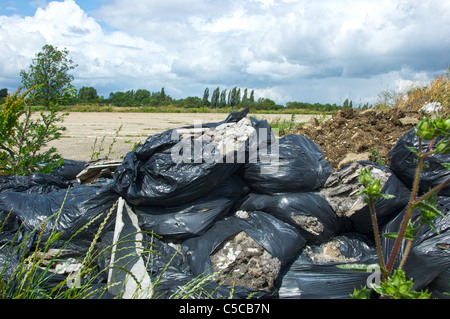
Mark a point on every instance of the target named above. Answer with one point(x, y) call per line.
point(352, 134)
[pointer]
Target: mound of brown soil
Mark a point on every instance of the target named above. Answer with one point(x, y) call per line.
point(351, 135)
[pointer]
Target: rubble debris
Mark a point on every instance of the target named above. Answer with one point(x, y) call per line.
point(341, 191)
point(229, 137)
point(249, 248)
point(97, 169)
point(243, 262)
point(328, 252)
point(341, 188)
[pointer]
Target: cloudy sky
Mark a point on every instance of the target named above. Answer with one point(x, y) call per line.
point(287, 50)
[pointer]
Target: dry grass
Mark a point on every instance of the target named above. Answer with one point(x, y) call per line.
point(438, 90)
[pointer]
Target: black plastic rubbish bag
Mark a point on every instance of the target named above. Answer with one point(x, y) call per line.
point(314, 273)
point(297, 165)
point(404, 163)
point(193, 218)
point(308, 212)
point(149, 175)
point(280, 239)
point(170, 171)
point(430, 253)
point(78, 206)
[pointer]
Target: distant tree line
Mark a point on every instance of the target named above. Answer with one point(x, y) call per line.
point(318, 106)
point(139, 97)
point(235, 98)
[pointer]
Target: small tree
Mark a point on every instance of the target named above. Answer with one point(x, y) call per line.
point(23, 137)
point(49, 74)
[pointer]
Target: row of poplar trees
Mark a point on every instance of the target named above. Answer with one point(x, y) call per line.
point(233, 98)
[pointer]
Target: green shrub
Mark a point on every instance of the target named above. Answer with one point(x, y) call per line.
point(24, 136)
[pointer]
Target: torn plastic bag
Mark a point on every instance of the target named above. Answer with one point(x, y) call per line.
point(78, 207)
point(37, 183)
point(430, 252)
point(279, 239)
point(404, 164)
point(194, 218)
point(310, 213)
point(341, 189)
point(170, 171)
point(315, 275)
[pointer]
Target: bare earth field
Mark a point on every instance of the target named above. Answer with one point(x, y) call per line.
point(83, 128)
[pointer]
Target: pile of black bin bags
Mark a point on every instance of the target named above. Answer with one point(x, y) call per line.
point(194, 204)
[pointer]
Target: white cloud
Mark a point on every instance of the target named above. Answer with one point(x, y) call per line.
point(316, 51)
point(101, 58)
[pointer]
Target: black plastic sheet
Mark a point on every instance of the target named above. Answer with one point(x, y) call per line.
point(440, 286)
point(70, 169)
point(384, 208)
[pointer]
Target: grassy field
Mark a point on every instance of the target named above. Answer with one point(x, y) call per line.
point(174, 109)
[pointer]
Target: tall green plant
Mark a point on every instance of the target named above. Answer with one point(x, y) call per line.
point(25, 136)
